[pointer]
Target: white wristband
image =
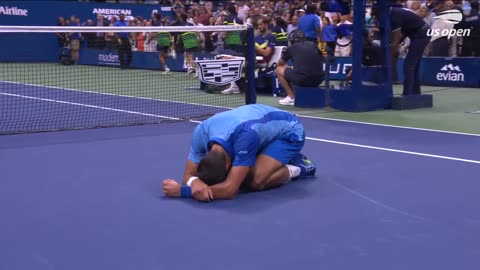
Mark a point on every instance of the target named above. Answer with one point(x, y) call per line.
point(190, 180)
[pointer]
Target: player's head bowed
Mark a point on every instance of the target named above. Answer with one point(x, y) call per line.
point(213, 168)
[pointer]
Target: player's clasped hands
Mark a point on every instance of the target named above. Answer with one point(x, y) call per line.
point(200, 191)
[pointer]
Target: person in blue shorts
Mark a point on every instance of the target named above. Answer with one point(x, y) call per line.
point(254, 146)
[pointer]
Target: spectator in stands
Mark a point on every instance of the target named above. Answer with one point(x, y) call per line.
point(124, 45)
point(203, 15)
point(242, 10)
point(100, 42)
point(74, 39)
point(293, 24)
point(280, 6)
point(248, 20)
point(265, 42)
point(110, 37)
point(285, 14)
point(471, 44)
point(329, 35)
point(150, 39)
point(90, 38)
point(415, 6)
point(440, 45)
point(335, 18)
point(300, 13)
point(424, 13)
point(307, 67)
point(133, 35)
point(62, 37)
point(344, 40)
point(279, 29)
point(209, 38)
point(310, 24)
point(219, 11)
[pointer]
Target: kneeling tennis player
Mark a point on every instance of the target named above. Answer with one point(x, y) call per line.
point(254, 146)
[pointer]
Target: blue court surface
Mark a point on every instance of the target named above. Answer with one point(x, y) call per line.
point(384, 198)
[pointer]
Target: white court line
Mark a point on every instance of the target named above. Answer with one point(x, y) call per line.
point(193, 121)
point(390, 126)
point(91, 106)
point(395, 150)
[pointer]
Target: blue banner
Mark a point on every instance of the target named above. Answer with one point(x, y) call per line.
point(448, 72)
point(45, 47)
point(459, 72)
point(339, 67)
point(46, 13)
point(144, 60)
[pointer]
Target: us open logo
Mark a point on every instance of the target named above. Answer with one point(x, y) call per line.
point(452, 16)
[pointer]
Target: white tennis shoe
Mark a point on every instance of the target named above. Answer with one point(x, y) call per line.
point(287, 101)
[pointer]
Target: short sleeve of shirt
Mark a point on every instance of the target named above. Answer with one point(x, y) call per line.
point(245, 149)
point(197, 148)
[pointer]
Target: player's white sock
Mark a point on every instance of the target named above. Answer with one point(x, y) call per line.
point(294, 171)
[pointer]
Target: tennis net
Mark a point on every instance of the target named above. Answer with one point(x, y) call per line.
point(79, 77)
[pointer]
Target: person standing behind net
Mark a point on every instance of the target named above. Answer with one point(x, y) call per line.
point(236, 43)
point(308, 63)
point(191, 43)
point(164, 41)
point(124, 45)
point(74, 39)
point(310, 24)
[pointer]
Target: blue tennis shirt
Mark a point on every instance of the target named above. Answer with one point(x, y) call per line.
point(243, 132)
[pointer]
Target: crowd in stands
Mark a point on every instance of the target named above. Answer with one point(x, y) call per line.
point(284, 16)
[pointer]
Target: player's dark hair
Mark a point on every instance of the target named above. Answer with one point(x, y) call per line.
point(212, 169)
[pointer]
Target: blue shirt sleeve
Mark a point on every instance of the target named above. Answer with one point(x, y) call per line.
point(245, 149)
point(197, 149)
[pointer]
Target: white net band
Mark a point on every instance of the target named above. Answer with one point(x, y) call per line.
point(118, 29)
